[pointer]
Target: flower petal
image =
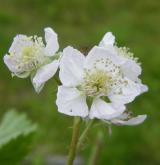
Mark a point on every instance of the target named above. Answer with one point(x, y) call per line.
point(103, 110)
point(71, 102)
point(44, 74)
point(71, 67)
point(127, 94)
point(144, 88)
point(52, 45)
point(19, 42)
point(108, 39)
point(11, 64)
point(131, 70)
point(97, 53)
point(133, 121)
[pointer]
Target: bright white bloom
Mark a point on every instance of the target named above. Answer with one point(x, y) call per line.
point(97, 76)
point(130, 67)
point(29, 56)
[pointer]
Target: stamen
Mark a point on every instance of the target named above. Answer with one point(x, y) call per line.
point(124, 51)
point(102, 79)
point(31, 54)
point(96, 83)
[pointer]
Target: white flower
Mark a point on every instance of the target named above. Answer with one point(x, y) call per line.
point(130, 67)
point(29, 56)
point(98, 76)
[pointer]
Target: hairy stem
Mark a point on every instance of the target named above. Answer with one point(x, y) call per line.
point(84, 135)
point(93, 160)
point(74, 141)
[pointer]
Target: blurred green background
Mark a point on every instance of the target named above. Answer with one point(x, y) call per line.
point(82, 23)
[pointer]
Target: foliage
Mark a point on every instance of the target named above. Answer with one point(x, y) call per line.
point(16, 133)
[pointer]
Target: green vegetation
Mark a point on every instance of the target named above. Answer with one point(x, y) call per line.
point(16, 133)
point(82, 23)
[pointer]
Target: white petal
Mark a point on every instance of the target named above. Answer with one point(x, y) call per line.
point(144, 88)
point(133, 121)
point(71, 67)
point(103, 110)
point(11, 64)
point(19, 42)
point(98, 53)
point(108, 39)
point(71, 102)
point(128, 93)
point(52, 45)
point(44, 74)
point(131, 70)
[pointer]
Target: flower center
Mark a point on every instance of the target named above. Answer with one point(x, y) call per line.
point(31, 55)
point(96, 83)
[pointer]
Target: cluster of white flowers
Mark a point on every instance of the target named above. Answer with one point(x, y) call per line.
point(97, 85)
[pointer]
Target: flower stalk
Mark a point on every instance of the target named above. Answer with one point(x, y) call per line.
point(74, 141)
point(93, 160)
point(84, 135)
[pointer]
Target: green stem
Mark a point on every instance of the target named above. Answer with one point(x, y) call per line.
point(74, 141)
point(84, 135)
point(93, 160)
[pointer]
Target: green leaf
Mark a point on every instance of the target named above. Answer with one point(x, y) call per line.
point(16, 133)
